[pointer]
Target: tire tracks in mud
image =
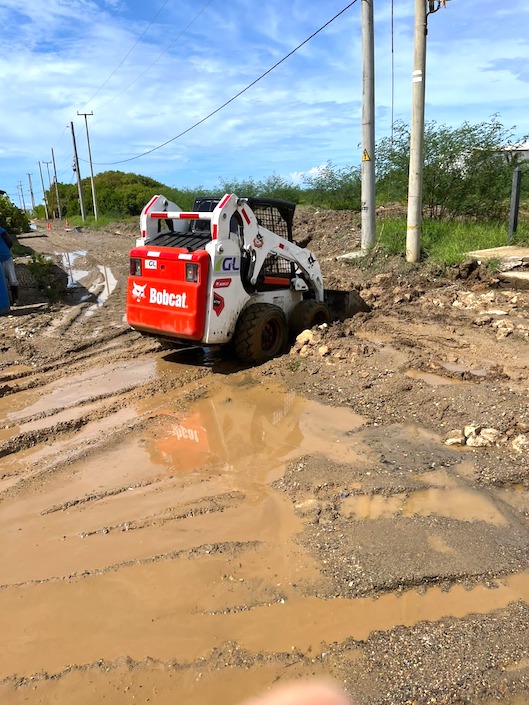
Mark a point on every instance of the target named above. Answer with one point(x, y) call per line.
point(231, 549)
point(68, 507)
point(231, 655)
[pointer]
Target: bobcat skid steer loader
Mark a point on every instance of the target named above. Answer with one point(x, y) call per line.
point(228, 273)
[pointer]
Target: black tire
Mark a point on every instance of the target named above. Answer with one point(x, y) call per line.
point(261, 333)
point(308, 314)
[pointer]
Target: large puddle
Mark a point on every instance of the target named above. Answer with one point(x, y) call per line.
point(170, 542)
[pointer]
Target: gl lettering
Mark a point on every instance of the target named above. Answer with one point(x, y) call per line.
point(228, 264)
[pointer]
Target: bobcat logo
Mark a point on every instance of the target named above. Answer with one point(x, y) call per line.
point(138, 292)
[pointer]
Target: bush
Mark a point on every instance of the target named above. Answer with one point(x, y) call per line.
point(13, 219)
point(467, 169)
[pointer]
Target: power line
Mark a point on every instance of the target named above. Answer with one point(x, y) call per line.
point(237, 95)
point(126, 55)
point(178, 36)
point(173, 41)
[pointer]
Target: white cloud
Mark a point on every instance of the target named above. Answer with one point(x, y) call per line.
point(84, 55)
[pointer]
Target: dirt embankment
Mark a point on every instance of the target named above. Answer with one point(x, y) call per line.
point(177, 529)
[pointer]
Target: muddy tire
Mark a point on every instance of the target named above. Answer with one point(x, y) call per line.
point(308, 314)
point(261, 333)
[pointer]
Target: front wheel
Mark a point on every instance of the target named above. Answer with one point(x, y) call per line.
point(261, 333)
point(308, 314)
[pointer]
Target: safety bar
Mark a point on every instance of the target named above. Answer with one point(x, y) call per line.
point(169, 215)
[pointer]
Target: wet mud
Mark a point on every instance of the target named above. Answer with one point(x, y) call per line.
point(174, 528)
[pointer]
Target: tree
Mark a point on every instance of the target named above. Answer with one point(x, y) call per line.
point(337, 189)
point(467, 169)
point(13, 219)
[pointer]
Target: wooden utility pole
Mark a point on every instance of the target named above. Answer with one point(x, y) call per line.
point(90, 160)
point(368, 127)
point(78, 173)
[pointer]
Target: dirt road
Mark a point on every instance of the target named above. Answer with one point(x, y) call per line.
point(176, 529)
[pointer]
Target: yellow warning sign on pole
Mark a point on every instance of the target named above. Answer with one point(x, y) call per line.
point(365, 156)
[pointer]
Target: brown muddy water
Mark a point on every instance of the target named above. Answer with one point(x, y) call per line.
point(146, 556)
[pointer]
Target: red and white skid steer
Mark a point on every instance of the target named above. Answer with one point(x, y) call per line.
point(228, 273)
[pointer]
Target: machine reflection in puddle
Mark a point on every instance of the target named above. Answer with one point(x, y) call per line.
point(255, 428)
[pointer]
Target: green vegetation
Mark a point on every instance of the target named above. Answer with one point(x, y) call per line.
point(42, 270)
point(467, 170)
point(446, 241)
point(466, 192)
point(13, 219)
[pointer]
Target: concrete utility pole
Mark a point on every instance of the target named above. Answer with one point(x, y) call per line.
point(413, 235)
point(31, 192)
point(56, 184)
point(76, 169)
point(52, 209)
point(368, 127)
point(21, 194)
point(90, 160)
point(43, 193)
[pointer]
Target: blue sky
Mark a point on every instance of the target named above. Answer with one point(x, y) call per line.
point(150, 70)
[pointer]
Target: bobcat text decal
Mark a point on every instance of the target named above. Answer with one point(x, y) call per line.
point(165, 298)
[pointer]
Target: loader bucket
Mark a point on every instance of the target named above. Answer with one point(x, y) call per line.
point(344, 304)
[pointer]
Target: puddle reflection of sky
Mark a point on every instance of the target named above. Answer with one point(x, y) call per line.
point(76, 276)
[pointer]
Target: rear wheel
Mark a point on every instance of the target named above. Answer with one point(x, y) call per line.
point(308, 314)
point(261, 333)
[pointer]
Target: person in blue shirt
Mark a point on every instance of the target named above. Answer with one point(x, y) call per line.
point(8, 265)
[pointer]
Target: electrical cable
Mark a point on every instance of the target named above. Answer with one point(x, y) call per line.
point(237, 95)
point(129, 53)
point(126, 55)
point(173, 41)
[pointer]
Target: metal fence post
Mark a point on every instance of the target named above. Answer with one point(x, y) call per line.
point(515, 202)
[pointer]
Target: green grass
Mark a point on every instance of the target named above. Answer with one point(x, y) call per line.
point(447, 242)
point(20, 250)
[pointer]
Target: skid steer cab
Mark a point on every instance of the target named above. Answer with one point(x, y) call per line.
point(227, 273)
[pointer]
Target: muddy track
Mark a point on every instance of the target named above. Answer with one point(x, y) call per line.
point(176, 528)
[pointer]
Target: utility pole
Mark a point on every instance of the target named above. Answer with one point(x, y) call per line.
point(90, 160)
point(31, 192)
point(76, 169)
point(44, 193)
point(49, 184)
point(414, 230)
point(368, 127)
point(56, 184)
point(21, 194)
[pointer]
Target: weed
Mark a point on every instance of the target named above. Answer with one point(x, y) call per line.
point(42, 270)
point(294, 365)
